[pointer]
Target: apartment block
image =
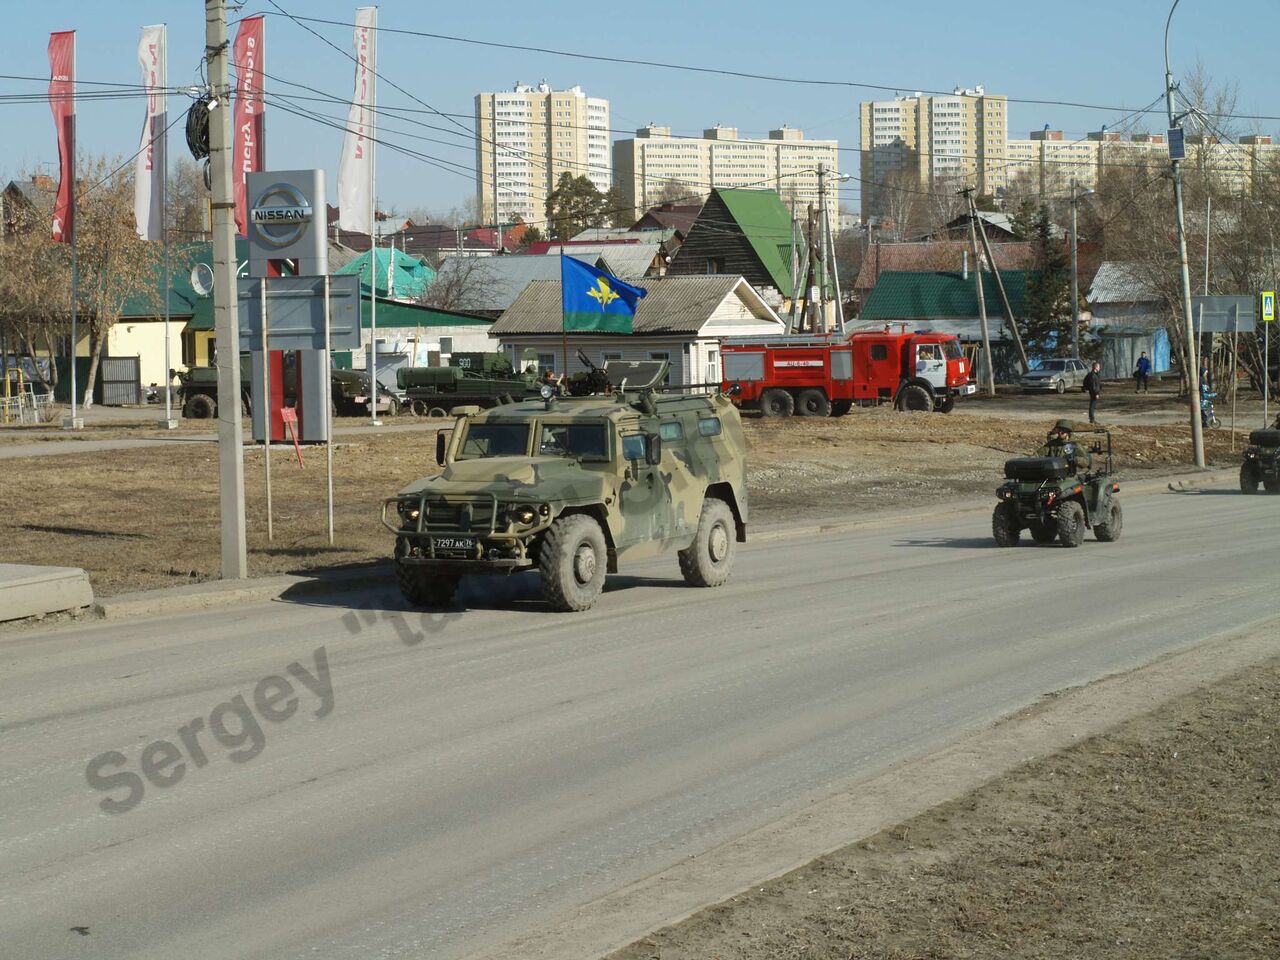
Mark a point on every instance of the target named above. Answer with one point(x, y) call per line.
point(922, 140)
point(526, 137)
point(654, 165)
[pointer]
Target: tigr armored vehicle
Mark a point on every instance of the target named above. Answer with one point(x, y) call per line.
point(1261, 462)
point(1060, 494)
point(570, 486)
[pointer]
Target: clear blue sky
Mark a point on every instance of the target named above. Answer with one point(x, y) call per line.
point(1088, 51)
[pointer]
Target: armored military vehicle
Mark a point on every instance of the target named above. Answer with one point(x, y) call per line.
point(1061, 493)
point(570, 486)
point(1261, 462)
point(470, 379)
point(198, 391)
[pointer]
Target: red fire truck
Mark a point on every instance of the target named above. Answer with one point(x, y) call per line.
point(825, 375)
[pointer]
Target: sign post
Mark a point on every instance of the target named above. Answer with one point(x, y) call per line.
point(1268, 318)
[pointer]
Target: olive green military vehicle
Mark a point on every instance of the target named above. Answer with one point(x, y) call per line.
point(479, 379)
point(570, 486)
point(198, 390)
point(1261, 462)
point(1061, 493)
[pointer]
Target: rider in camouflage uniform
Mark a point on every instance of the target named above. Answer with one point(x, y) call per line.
point(1061, 444)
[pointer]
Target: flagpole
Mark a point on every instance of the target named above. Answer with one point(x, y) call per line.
point(163, 122)
point(75, 233)
point(373, 230)
point(564, 331)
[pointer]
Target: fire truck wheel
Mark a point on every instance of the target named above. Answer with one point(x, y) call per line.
point(946, 404)
point(708, 561)
point(777, 403)
point(1005, 528)
point(813, 403)
point(200, 407)
point(1071, 524)
point(841, 407)
point(915, 397)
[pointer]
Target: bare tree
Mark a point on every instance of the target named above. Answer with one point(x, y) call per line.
point(188, 213)
point(35, 281)
point(459, 284)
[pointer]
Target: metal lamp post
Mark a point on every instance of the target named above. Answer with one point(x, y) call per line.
point(1076, 194)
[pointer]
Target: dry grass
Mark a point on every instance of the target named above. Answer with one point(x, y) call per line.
point(1158, 840)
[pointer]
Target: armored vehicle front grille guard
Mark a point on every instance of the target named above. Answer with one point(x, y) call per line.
point(479, 515)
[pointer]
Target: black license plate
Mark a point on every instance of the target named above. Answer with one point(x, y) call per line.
point(455, 543)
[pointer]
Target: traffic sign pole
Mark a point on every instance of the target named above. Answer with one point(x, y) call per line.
point(1268, 318)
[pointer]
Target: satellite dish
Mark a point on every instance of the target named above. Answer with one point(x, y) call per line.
point(202, 279)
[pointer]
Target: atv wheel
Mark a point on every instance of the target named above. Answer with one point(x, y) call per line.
point(946, 404)
point(1042, 532)
point(840, 407)
point(915, 397)
point(1108, 531)
point(777, 403)
point(1005, 527)
point(572, 560)
point(708, 561)
point(812, 403)
point(423, 588)
point(201, 406)
point(1071, 524)
point(1248, 478)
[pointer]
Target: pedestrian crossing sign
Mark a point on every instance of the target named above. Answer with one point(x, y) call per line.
point(1268, 306)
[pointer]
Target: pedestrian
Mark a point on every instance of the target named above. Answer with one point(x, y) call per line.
point(1093, 386)
point(1142, 374)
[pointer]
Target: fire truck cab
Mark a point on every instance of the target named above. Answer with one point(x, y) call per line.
point(824, 375)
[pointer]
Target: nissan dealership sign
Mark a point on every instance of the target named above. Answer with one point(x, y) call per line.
point(282, 223)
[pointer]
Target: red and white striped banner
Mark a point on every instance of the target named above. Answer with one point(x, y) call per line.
point(248, 123)
point(148, 187)
point(62, 101)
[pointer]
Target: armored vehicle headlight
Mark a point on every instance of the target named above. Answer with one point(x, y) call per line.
point(408, 510)
point(547, 391)
point(524, 514)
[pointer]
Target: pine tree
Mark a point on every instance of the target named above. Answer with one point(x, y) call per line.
point(1046, 325)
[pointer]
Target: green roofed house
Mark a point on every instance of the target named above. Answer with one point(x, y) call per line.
point(398, 275)
point(743, 233)
point(947, 302)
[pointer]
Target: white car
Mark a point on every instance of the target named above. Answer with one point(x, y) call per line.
point(1057, 375)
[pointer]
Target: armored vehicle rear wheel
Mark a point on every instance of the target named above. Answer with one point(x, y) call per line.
point(438, 413)
point(840, 407)
point(1005, 526)
point(1071, 524)
point(423, 588)
point(813, 403)
point(1042, 532)
point(572, 560)
point(200, 406)
point(1108, 529)
point(708, 561)
point(418, 407)
point(777, 403)
point(1248, 478)
point(915, 397)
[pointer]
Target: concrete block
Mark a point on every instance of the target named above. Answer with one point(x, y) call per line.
point(27, 590)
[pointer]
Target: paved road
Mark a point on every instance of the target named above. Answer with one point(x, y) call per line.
point(476, 775)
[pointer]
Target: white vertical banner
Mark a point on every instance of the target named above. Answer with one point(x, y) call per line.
point(149, 166)
point(355, 169)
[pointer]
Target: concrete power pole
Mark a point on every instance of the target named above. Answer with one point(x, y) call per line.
point(987, 359)
point(225, 322)
point(1193, 371)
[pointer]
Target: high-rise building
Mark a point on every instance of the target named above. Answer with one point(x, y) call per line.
point(535, 134)
point(932, 141)
point(654, 166)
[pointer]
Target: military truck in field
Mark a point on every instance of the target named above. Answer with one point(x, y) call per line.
point(198, 391)
point(1261, 464)
point(1061, 493)
point(570, 486)
point(471, 379)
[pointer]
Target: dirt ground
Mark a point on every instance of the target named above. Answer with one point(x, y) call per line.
point(142, 518)
point(1160, 839)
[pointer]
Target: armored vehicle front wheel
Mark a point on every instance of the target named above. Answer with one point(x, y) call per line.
point(1005, 527)
point(572, 561)
point(1042, 532)
point(813, 403)
point(423, 588)
point(1248, 478)
point(708, 561)
point(1071, 524)
point(777, 403)
point(1108, 528)
point(200, 406)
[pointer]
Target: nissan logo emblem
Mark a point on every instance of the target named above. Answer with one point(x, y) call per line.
point(280, 215)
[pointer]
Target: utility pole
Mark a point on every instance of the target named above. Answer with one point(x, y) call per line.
point(1076, 194)
point(225, 322)
point(988, 360)
point(1193, 372)
point(1004, 297)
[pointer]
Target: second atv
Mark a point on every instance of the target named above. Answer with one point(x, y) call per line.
point(1061, 493)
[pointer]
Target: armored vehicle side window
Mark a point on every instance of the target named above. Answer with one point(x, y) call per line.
point(674, 430)
point(585, 441)
point(495, 440)
point(709, 426)
point(633, 446)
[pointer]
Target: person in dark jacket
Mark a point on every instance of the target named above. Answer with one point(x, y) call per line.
point(1142, 373)
point(1093, 387)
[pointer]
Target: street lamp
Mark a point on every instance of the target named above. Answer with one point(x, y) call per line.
point(1193, 375)
point(1076, 194)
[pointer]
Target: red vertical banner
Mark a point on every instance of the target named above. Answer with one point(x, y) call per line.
point(62, 101)
point(248, 126)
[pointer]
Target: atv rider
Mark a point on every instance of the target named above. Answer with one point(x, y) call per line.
point(1061, 444)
